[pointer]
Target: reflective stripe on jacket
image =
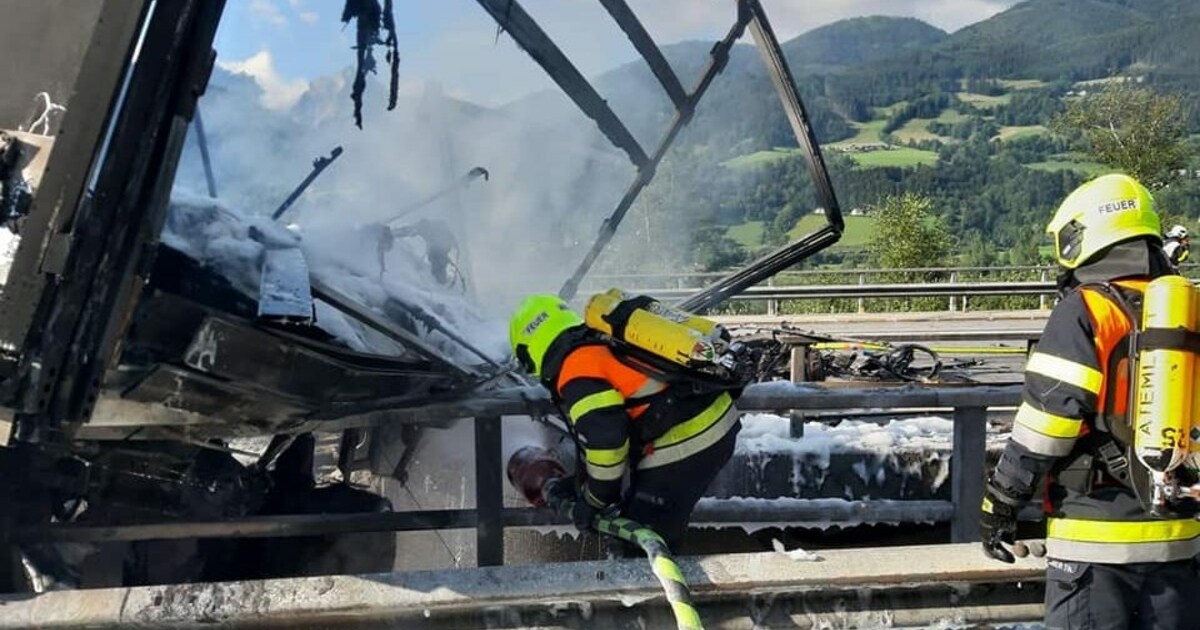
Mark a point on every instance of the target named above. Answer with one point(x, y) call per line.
point(602, 397)
point(1076, 384)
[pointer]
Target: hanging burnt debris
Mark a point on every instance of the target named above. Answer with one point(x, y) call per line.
point(369, 20)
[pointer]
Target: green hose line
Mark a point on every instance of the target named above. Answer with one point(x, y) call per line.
point(668, 573)
point(661, 562)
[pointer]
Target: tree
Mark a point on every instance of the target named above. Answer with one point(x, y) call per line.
point(1133, 129)
point(782, 224)
point(908, 234)
point(713, 250)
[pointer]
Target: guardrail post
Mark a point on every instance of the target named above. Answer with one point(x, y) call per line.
point(953, 299)
point(772, 304)
point(862, 304)
point(966, 472)
point(1042, 297)
point(489, 493)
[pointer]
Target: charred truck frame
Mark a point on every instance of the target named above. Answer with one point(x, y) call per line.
point(125, 365)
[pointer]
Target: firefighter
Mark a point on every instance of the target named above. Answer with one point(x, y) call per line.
point(669, 442)
point(1175, 246)
point(1112, 564)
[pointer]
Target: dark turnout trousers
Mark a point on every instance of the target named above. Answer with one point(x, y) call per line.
point(1154, 595)
point(663, 498)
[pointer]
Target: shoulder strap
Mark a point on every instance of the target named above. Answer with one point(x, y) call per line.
point(669, 372)
point(1117, 296)
point(619, 317)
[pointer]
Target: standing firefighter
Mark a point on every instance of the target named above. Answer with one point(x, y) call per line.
point(1105, 426)
point(1176, 246)
point(670, 438)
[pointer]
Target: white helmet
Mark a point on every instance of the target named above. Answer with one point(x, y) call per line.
point(1177, 232)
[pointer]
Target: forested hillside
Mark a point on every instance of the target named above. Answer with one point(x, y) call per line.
point(901, 106)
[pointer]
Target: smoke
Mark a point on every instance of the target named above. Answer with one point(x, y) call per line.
point(552, 179)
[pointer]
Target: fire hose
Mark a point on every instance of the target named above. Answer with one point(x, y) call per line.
point(533, 471)
point(661, 562)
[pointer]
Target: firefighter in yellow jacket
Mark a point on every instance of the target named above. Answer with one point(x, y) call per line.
point(1114, 560)
point(670, 443)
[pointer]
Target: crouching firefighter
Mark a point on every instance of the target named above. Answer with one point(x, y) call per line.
point(1104, 421)
point(648, 393)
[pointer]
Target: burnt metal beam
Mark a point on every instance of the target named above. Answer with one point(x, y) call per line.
point(793, 106)
point(202, 142)
point(761, 269)
point(346, 304)
point(318, 166)
point(649, 51)
point(524, 30)
point(718, 58)
point(287, 525)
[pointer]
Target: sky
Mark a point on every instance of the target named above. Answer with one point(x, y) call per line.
point(284, 44)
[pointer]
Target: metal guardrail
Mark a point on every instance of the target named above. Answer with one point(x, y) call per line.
point(859, 284)
point(799, 285)
point(895, 290)
point(696, 279)
point(620, 279)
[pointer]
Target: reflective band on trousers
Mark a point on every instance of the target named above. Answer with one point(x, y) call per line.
point(606, 464)
point(608, 456)
point(1047, 423)
point(1042, 444)
point(1086, 378)
point(1122, 542)
point(703, 431)
point(605, 473)
point(599, 400)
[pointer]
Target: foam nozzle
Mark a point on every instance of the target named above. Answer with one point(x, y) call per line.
point(529, 469)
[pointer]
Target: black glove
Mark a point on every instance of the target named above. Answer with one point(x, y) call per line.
point(564, 491)
point(584, 514)
point(998, 526)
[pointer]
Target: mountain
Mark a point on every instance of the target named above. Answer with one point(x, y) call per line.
point(741, 113)
point(1051, 40)
point(847, 69)
point(1077, 39)
point(860, 40)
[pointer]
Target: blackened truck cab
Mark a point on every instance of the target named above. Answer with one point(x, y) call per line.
point(126, 365)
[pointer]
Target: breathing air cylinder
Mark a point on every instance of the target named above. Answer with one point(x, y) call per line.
point(1194, 435)
point(646, 323)
point(1163, 383)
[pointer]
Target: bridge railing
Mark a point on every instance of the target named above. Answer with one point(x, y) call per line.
point(967, 406)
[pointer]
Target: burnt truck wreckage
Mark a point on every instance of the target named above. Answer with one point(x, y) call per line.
point(127, 365)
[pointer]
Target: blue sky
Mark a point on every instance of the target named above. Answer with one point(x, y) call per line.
point(285, 43)
point(307, 38)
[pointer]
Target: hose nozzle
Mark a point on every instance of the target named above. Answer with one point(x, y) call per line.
point(529, 469)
